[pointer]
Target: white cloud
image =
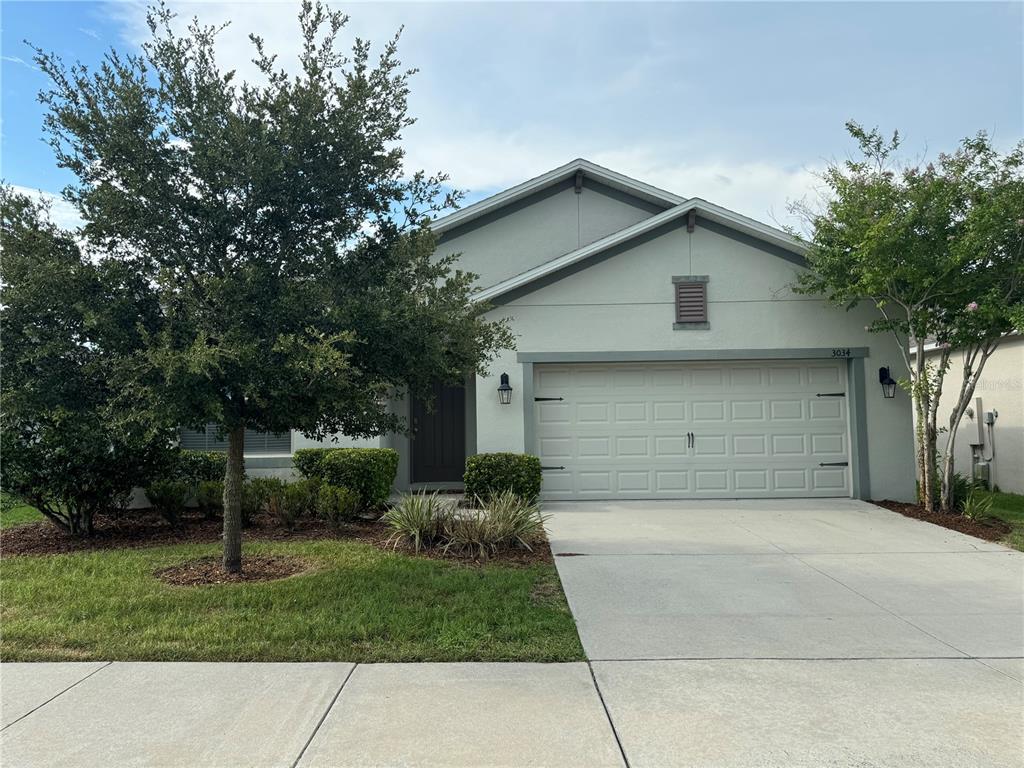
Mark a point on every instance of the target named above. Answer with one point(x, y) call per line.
point(492, 161)
point(21, 61)
point(62, 213)
point(474, 134)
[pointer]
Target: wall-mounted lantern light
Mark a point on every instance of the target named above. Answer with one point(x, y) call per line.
point(887, 382)
point(504, 390)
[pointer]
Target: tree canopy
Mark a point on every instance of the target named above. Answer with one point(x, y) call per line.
point(287, 247)
point(69, 445)
point(938, 250)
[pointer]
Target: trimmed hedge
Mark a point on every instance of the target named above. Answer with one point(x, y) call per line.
point(489, 474)
point(195, 467)
point(308, 461)
point(370, 472)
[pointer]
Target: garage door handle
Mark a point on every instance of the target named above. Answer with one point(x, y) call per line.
point(834, 464)
point(552, 467)
point(831, 394)
point(545, 399)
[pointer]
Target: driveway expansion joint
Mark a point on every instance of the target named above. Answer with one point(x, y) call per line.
point(882, 607)
point(608, 715)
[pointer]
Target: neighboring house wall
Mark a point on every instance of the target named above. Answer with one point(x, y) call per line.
point(1001, 388)
point(539, 228)
point(625, 302)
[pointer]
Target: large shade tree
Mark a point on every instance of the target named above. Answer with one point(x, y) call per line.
point(938, 251)
point(287, 246)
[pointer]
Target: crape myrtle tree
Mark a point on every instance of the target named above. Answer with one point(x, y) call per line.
point(938, 251)
point(72, 446)
point(288, 249)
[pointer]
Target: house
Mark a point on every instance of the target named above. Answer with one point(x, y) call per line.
point(990, 440)
point(661, 354)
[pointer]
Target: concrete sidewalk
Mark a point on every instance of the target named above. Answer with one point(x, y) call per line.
point(196, 715)
point(785, 713)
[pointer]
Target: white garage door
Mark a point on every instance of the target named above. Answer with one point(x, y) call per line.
point(692, 430)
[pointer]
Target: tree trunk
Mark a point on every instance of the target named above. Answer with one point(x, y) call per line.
point(234, 476)
point(921, 394)
point(969, 383)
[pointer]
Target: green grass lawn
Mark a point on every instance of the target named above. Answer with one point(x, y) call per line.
point(359, 604)
point(13, 513)
point(1010, 507)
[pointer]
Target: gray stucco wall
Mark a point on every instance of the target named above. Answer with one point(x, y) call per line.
point(625, 302)
point(541, 227)
point(1001, 389)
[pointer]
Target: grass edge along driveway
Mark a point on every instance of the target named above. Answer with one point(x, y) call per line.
point(357, 603)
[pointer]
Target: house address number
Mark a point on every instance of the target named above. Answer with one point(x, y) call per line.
point(841, 352)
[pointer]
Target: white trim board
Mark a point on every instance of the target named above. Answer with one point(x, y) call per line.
point(703, 208)
point(590, 170)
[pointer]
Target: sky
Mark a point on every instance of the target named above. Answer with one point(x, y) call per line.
point(740, 103)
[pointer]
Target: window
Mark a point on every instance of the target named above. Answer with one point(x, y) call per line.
point(691, 299)
point(255, 442)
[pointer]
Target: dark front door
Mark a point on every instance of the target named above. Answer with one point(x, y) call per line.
point(439, 437)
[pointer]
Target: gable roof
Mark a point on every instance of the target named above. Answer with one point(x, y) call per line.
point(590, 170)
point(791, 248)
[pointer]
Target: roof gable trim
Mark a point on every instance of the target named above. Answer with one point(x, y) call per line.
point(729, 219)
point(590, 170)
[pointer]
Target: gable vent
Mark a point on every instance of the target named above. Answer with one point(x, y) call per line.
point(691, 301)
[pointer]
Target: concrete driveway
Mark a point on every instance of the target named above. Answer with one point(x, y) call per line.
point(796, 633)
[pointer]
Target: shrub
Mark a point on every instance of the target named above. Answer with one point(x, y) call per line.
point(73, 444)
point(336, 504)
point(419, 518)
point(961, 488)
point(210, 497)
point(195, 467)
point(255, 495)
point(506, 521)
point(490, 474)
point(168, 498)
point(309, 461)
point(370, 472)
point(288, 502)
point(977, 505)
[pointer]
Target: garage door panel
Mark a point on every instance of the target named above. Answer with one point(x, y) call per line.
point(830, 408)
point(626, 413)
point(638, 481)
point(750, 445)
point(708, 410)
point(709, 445)
point(632, 447)
point(791, 480)
point(780, 410)
point(669, 412)
point(758, 429)
point(747, 410)
point(789, 445)
point(751, 479)
point(828, 444)
point(553, 413)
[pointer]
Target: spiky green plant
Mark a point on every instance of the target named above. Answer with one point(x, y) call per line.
point(419, 518)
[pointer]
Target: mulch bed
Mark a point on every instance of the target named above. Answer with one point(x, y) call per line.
point(539, 555)
point(990, 529)
point(143, 529)
point(208, 570)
